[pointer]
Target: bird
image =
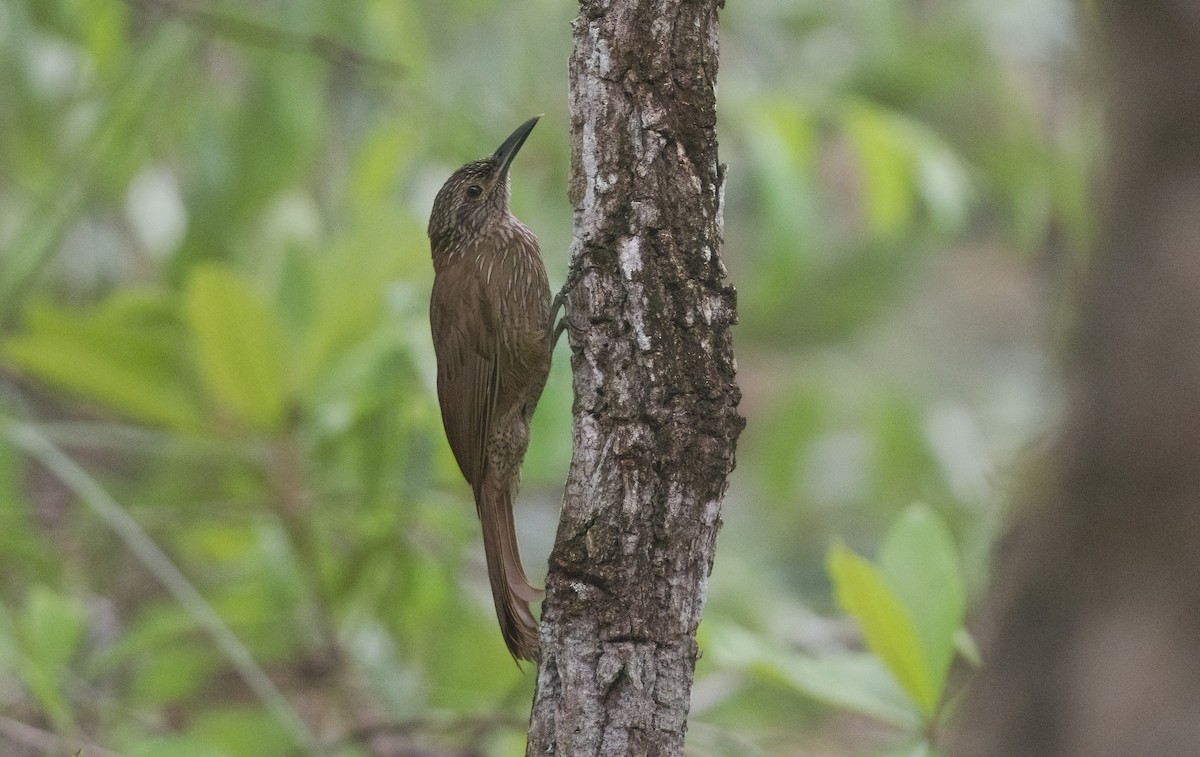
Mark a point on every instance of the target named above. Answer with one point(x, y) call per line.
point(490, 316)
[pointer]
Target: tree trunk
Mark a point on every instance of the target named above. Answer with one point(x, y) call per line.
point(655, 418)
point(1098, 604)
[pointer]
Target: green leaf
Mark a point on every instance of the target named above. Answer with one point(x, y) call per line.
point(942, 179)
point(105, 33)
point(920, 564)
point(782, 144)
point(23, 550)
point(176, 746)
point(382, 157)
point(171, 674)
point(241, 731)
point(887, 167)
point(886, 625)
point(857, 682)
point(126, 356)
point(854, 681)
point(348, 309)
point(159, 656)
point(53, 627)
point(903, 159)
point(51, 630)
point(239, 345)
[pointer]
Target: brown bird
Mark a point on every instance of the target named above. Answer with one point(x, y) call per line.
point(490, 311)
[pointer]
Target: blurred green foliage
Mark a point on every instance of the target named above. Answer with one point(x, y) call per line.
point(910, 609)
point(214, 348)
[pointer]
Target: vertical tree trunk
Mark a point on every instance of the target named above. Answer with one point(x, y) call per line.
point(1097, 648)
point(655, 418)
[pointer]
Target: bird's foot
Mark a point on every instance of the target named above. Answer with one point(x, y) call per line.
point(555, 326)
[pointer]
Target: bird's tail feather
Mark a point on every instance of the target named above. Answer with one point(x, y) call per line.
point(511, 590)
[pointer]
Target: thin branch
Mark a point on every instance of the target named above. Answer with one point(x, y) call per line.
point(251, 33)
point(84, 486)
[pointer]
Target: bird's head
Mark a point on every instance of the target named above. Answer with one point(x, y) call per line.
point(477, 194)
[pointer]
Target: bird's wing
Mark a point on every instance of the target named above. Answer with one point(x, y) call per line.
point(465, 338)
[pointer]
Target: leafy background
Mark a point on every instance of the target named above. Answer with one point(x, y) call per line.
point(229, 522)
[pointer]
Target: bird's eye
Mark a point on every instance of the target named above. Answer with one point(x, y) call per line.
point(474, 191)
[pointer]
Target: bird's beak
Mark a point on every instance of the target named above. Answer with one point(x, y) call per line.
point(509, 149)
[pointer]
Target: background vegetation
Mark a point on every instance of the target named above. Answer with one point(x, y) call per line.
point(229, 522)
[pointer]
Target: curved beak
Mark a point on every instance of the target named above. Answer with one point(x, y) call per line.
point(508, 150)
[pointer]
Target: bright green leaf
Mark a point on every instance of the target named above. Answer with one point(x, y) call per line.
point(239, 345)
point(887, 167)
point(920, 564)
point(903, 159)
point(105, 32)
point(886, 625)
point(126, 356)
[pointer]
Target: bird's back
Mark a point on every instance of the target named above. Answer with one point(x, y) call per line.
point(488, 311)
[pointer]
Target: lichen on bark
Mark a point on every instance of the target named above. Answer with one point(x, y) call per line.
point(655, 417)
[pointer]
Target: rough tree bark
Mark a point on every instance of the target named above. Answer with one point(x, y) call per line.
point(655, 419)
point(1097, 648)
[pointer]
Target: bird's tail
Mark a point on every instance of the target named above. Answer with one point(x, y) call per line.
point(511, 590)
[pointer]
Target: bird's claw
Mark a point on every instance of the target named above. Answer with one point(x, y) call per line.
point(555, 326)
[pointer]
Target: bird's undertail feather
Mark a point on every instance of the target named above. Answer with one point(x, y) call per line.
point(511, 590)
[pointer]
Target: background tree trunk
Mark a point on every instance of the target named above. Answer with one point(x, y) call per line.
point(1097, 649)
point(655, 418)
